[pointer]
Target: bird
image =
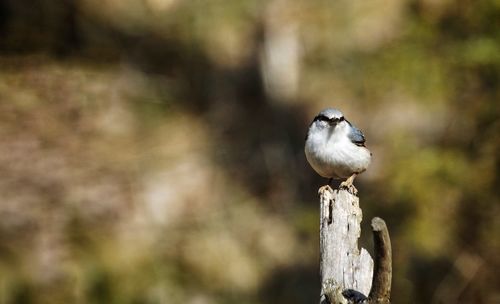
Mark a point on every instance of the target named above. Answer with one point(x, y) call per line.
point(336, 149)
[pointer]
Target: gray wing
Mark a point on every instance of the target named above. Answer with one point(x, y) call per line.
point(356, 136)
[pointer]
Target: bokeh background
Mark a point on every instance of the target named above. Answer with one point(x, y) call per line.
point(151, 151)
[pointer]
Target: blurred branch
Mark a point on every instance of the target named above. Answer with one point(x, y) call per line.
point(464, 270)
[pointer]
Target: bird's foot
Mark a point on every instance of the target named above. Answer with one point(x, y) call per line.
point(348, 185)
point(324, 188)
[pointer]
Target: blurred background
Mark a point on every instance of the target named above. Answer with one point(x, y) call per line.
point(151, 151)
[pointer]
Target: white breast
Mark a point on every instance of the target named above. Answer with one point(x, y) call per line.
point(333, 155)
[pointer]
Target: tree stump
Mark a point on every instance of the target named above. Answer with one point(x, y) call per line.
point(347, 273)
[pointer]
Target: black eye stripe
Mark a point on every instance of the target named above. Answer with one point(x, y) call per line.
point(321, 117)
point(325, 118)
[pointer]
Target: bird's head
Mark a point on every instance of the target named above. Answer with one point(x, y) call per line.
point(328, 118)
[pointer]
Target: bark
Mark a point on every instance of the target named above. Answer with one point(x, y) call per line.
point(382, 274)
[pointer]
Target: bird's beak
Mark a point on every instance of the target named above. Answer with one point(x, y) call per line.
point(333, 122)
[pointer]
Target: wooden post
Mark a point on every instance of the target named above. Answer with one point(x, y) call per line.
point(346, 272)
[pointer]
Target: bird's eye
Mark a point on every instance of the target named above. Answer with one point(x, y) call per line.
point(321, 118)
point(341, 118)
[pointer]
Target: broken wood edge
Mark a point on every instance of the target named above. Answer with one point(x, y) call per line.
point(382, 273)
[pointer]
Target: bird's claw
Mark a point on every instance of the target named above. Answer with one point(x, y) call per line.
point(349, 187)
point(324, 188)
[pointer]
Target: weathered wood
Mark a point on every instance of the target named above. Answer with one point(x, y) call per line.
point(347, 273)
point(342, 265)
point(382, 274)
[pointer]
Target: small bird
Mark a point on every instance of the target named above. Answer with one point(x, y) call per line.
point(335, 148)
